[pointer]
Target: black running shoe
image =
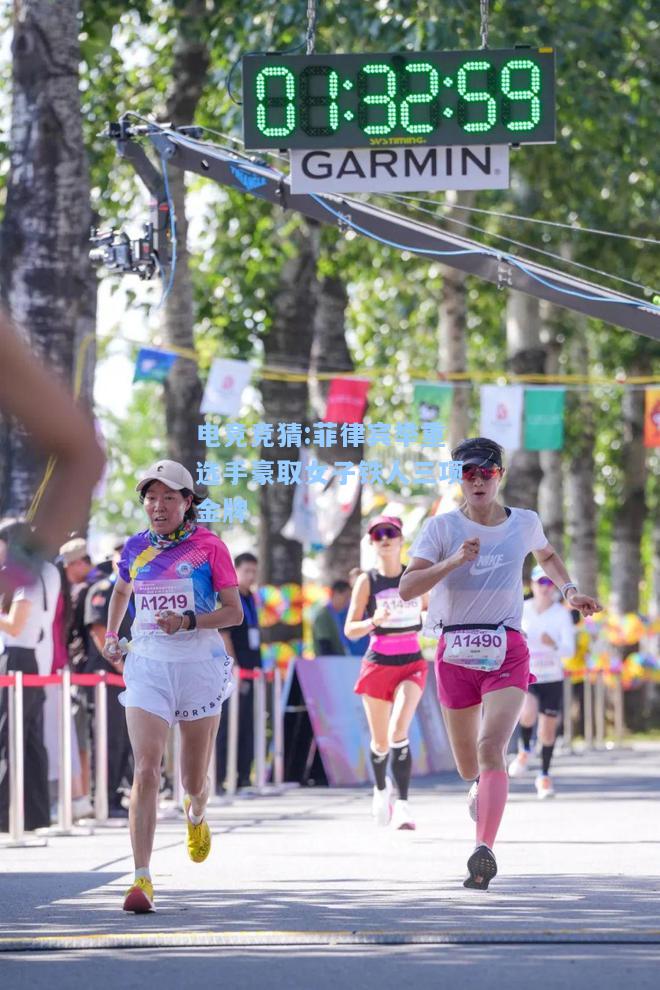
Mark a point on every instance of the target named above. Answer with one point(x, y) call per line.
point(481, 868)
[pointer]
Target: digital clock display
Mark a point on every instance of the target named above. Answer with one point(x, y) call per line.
point(504, 96)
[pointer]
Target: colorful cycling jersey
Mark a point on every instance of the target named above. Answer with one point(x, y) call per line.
point(184, 576)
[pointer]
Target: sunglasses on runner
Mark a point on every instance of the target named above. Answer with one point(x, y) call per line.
point(472, 471)
point(545, 581)
point(384, 533)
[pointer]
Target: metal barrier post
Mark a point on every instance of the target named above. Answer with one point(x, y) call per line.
point(278, 728)
point(619, 724)
point(259, 729)
point(232, 737)
point(16, 760)
point(588, 712)
point(599, 709)
point(65, 811)
point(568, 712)
point(101, 751)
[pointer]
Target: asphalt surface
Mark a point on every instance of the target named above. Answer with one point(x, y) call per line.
point(302, 890)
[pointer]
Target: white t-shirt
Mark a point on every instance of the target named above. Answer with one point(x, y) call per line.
point(489, 589)
point(43, 602)
point(545, 662)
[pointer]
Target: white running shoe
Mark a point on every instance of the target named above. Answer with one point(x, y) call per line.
point(472, 801)
point(518, 767)
point(401, 817)
point(544, 788)
point(381, 805)
point(81, 807)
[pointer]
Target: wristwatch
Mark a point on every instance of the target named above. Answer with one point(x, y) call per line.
point(192, 619)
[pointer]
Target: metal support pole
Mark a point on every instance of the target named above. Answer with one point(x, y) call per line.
point(260, 729)
point(619, 723)
point(599, 709)
point(588, 713)
point(568, 713)
point(65, 812)
point(101, 752)
point(232, 738)
point(278, 728)
point(16, 760)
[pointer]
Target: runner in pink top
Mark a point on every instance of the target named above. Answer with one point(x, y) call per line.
point(177, 669)
point(471, 561)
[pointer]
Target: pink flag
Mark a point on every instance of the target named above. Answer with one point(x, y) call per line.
point(347, 400)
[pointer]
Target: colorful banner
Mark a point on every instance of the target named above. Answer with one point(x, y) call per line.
point(224, 387)
point(347, 400)
point(652, 417)
point(153, 366)
point(501, 414)
point(340, 725)
point(544, 418)
point(432, 402)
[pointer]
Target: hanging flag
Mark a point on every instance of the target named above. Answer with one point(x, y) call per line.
point(334, 506)
point(432, 402)
point(652, 417)
point(224, 387)
point(153, 366)
point(302, 524)
point(544, 418)
point(347, 400)
point(501, 414)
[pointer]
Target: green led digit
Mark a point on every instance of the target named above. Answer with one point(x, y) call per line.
point(267, 103)
point(531, 94)
point(366, 100)
point(309, 100)
point(483, 96)
point(429, 97)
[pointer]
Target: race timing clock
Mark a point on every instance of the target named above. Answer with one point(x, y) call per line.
point(503, 96)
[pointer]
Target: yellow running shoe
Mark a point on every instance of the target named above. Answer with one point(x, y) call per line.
point(199, 836)
point(140, 897)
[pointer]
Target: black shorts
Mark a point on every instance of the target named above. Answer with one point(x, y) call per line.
point(549, 696)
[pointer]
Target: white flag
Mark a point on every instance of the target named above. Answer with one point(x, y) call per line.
point(224, 387)
point(501, 414)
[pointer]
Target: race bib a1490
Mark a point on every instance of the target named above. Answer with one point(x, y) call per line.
point(478, 649)
point(153, 597)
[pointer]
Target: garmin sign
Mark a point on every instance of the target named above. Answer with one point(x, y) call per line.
point(400, 169)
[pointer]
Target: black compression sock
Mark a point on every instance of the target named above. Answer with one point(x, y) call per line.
point(546, 757)
point(379, 763)
point(526, 736)
point(402, 767)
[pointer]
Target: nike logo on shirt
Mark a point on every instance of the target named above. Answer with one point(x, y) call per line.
point(487, 563)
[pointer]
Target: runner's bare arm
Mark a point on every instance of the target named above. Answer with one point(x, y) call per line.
point(421, 575)
point(231, 613)
point(121, 595)
point(59, 428)
point(355, 626)
point(14, 622)
point(556, 570)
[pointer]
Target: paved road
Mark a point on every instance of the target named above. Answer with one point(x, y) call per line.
point(576, 901)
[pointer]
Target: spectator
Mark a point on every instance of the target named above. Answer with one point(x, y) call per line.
point(328, 626)
point(243, 643)
point(21, 625)
point(97, 602)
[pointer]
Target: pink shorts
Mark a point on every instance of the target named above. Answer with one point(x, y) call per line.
point(380, 680)
point(459, 687)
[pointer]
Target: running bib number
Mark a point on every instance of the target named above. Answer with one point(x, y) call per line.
point(154, 597)
point(477, 649)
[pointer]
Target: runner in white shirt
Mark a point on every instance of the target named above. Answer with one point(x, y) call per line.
point(550, 638)
point(471, 561)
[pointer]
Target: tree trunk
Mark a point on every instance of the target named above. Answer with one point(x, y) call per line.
point(288, 341)
point(44, 267)
point(551, 489)
point(581, 515)
point(183, 388)
point(525, 356)
point(452, 349)
point(628, 522)
point(330, 353)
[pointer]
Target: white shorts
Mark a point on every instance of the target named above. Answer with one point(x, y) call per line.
point(177, 691)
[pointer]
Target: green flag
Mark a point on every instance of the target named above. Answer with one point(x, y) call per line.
point(432, 402)
point(544, 418)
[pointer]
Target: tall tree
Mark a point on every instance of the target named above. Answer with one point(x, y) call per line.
point(44, 268)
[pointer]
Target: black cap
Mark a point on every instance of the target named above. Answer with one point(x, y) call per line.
point(478, 450)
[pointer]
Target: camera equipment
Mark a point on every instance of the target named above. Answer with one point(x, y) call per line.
point(114, 250)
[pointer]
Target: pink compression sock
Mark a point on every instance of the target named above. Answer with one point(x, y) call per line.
point(491, 799)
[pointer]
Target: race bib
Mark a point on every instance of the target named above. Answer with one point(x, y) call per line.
point(153, 597)
point(254, 637)
point(477, 649)
point(546, 666)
